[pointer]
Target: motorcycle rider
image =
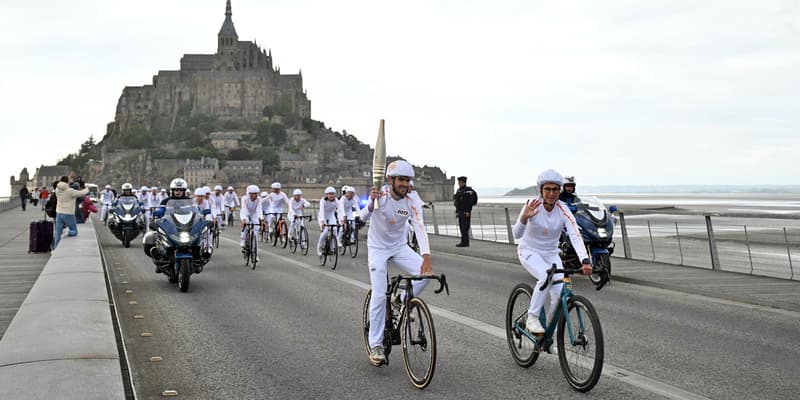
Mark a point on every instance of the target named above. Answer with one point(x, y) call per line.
point(387, 240)
point(328, 206)
point(107, 198)
point(127, 191)
point(538, 229)
point(251, 212)
point(231, 201)
point(568, 193)
point(177, 190)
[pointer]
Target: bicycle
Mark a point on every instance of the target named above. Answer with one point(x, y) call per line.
point(330, 247)
point(350, 238)
point(410, 326)
point(250, 246)
point(298, 235)
point(580, 324)
point(230, 214)
point(215, 234)
point(279, 230)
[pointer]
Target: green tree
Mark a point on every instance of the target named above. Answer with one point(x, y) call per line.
point(240, 154)
point(269, 158)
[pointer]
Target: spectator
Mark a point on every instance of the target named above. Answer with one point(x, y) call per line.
point(464, 199)
point(65, 212)
point(87, 207)
point(24, 195)
point(44, 194)
point(35, 197)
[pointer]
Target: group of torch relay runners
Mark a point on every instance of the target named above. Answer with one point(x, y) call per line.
point(537, 229)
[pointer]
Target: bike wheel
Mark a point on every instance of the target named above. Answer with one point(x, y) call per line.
point(184, 272)
point(603, 266)
point(345, 245)
point(293, 241)
point(253, 252)
point(419, 343)
point(354, 246)
point(273, 234)
point(284, 235)
point(216, 237)
point(334, 253)
point(304, 240)
point(365, 319)
point(582, 359)
point(521, 346)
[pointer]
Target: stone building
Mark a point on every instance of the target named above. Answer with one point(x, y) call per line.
point(17, 184)
point(200, 172)
point(46, 175)
point(237, 82)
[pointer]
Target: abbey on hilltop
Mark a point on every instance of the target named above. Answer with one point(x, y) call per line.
point(237, 82)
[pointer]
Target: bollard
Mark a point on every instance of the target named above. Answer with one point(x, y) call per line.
point(508, 226)
point(749, 255)
point(480, 223)
point(712, 244)
point(652, 246)
point(625, 242)
point(678, 235)
point(788, 253)
point(435, 223)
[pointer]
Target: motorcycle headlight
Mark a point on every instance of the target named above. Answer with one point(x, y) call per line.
point(184, 237)
point(602, 232)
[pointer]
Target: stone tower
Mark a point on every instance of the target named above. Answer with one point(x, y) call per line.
point(227, 43)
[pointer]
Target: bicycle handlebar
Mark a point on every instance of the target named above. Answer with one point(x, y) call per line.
point(570, 271)
point(441, 278)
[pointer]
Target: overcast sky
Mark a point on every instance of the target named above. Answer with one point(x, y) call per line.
point(615, 92)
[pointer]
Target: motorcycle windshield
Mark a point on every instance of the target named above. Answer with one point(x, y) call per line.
point(128, 203)
point(181, 210)
point(592, 206)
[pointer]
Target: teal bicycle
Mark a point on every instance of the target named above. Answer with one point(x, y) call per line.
point(578, 334)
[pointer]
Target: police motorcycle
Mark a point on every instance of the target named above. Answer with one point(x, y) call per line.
point(596, 227)
point(177, 240)
point(126, 219)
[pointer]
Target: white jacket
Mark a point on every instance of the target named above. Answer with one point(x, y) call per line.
point(542, 231)
point(251, 210)
point(296, 207)
point(388, 227)
point(327, 211)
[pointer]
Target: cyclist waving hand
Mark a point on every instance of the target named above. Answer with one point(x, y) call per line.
point(387, 240)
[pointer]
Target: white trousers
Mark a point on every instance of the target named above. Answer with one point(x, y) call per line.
point(147, 220)
point(255, 233)
point(537, 265)
point(104, 211)
point(378, 259)
point(324, 236)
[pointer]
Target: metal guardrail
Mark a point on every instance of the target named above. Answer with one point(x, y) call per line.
point(706, 241)
point(7, 203)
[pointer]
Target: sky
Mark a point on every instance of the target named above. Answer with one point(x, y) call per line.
point(615, 92)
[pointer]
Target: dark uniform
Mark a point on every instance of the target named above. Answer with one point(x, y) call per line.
point(464, 198)
point(569, 198)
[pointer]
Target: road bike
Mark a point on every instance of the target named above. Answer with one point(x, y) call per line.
point(575, 325)
point(230, 215)
point(350, 238)
point(279, 230)
point(298, 235)
point(409, 325)
point(215, 233)
point(250, 250)
point(329, 248)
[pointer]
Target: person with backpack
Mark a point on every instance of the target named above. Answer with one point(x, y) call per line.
point(24, 195)
point(65, 208)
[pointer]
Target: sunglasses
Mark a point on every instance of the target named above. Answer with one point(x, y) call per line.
point(551, 189)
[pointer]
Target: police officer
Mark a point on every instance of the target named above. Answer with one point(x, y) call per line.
point(464, 199)
point(568, 192)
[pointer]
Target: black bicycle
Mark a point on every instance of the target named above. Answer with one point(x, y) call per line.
point(298, 235)
point(410, 325)
point(215, 233)
point(330, 246)
point(230, 215)
point(350, 238)
point(250, 250)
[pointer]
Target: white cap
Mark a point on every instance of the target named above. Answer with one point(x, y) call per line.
point(143, 188)
point(400, 168)
point(276, 185)
point(206, 190)
point(264, 194)
point(230, 187)
point(330, 189)
point(108, 186)
point(297, 192)
point(252, 189)
point(218, 187)
point(163, 190)
point(199, 192)
point(350, 189)
point(154, 188)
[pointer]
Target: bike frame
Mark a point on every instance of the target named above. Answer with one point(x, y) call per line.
point(547, 338)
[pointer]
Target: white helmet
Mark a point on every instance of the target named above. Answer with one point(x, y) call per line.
point(569, 180)
point(154, 188)
point(199, 192)
point(400, 168)
point(127, 186)
point(108, 186)
point(264, 194)
point(330, 189)
point(276, 185)
point(297, 192)
point(230, 187)
point(549, 176)
point(350, 189)
point(163, 190)
point(218, 187)
point(143, 189)
point(206, 190)
point(178, 183)
point(252, 189)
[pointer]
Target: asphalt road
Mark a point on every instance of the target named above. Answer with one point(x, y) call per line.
point(291, 329)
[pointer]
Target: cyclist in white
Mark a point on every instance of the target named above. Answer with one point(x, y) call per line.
point(203, 204)
point(278, 202)
point(146, 199)
point(251, 212)
point(387, 240)
point(155, 196)
point(231, 201)
point(296, 207)
point(349, 209)
point(538, 229)
point(106, 198)
point(328, 206)
point(264, 199)
point(217, 200)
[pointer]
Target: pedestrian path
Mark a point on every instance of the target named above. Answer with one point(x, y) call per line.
point(751, 289)
point(18, 269)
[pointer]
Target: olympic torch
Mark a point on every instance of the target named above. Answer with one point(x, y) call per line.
point(379, 163)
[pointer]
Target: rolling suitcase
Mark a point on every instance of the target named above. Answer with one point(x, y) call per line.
point(41, 236)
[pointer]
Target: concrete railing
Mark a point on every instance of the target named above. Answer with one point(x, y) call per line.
point(61, 343)
point(7, 203)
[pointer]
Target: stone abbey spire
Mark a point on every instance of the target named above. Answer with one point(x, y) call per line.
point(227, 37)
